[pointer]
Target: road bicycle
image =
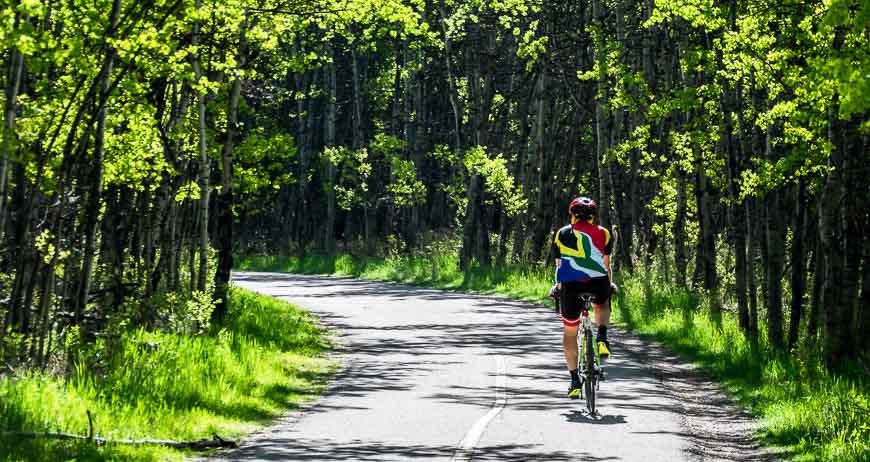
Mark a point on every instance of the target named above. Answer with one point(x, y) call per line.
point(589, 363)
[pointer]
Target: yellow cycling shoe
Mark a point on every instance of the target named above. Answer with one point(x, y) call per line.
point(603, 350)
point(574, 389)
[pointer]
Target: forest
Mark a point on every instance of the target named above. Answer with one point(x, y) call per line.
point(146, 144)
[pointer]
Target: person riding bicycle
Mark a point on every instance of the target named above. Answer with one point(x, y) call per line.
point(582, 251)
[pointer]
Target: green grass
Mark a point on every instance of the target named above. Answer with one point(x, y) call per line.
point(267, 359)
point(806, 411)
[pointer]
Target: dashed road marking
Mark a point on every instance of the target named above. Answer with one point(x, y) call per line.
point(466, 447)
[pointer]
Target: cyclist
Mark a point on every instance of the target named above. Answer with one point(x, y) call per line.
point(582, 251)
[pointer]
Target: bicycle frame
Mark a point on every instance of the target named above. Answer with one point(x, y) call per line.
point(588, 356)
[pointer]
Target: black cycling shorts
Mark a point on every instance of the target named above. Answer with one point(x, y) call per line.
point(570, 303)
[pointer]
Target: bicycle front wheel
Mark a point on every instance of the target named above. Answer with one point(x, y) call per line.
point(591, 379)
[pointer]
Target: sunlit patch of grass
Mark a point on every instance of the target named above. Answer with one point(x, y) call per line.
point(812, 413)
point(267, 359)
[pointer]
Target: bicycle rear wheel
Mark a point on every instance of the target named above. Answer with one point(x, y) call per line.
point(591, 379)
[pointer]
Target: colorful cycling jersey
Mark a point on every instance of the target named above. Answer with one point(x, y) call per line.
point(581, 247)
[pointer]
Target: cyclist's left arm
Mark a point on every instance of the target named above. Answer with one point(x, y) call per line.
point(608, 249)
point(554, 252)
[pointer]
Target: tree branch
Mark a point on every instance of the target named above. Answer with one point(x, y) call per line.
point(214, 442)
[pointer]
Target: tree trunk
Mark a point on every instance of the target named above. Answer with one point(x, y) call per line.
point(225, 199)
point(736, 217)
point(679, 232)
point(705, 261)
point(754, 243)
point(798, 261)
point(453, 93)
point(96, 186)
point(539, 153)
point(602, 133)
point(358, 134)
point(831, 233)
point(864, 304)
point(469, 232)
point(329, 142)
point(19, 253)
point(818, 287)
point(774, 260)
point(855, 187)
point(204, 171)
point(13, 82)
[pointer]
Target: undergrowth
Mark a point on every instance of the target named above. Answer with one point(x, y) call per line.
point(807, 412)
point(266, 359)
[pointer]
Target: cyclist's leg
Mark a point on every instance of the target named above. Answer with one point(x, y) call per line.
point(569, 343)
point(601, 306)
point(570, 311)
point(602, 314)
point(602, 318)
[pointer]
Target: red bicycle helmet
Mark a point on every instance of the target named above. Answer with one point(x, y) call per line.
point(583, 207)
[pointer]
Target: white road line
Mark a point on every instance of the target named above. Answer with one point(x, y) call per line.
point(466, 446)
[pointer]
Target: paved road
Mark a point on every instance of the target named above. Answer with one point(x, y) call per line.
point(428, 374)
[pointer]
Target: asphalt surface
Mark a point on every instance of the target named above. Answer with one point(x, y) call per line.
point(435, 375)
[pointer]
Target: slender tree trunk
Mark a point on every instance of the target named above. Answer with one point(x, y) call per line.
point(96, 187)
point(45, 325)
point(19, 250)
point(358, 135)
point(204, 171)
point(798, 264)
point(816, 297)
point(864, 303)
point(855, 187)
point(679, 232)
point(538, 154)
point(602, 133)
point(754, 243)
point(225, 197)
point(831, 233)
point(13, 82)
point(773, 261)
point(705, 262)
point(453, 93)
point(736, 217)
point(329, 142)
point(471, 221)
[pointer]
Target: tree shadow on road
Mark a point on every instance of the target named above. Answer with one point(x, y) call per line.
point(324, 449)
point(390, 354)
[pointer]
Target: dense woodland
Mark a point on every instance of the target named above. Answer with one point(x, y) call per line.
point(144, 143)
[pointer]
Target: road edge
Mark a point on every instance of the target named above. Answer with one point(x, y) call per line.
point(716, 427)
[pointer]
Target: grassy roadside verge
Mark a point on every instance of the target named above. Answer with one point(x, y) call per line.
point(807, 412)
point(267, 359)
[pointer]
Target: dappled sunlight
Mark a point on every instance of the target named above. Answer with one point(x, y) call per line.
point(265, 361)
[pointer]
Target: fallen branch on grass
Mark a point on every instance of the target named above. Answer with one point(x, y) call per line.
point(214, 442)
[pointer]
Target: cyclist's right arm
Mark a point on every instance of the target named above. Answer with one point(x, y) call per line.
point(554, 251)
point(558, 264)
